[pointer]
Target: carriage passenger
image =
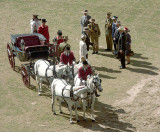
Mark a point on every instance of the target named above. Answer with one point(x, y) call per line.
point(63, 45)
point(59, 37)
point(43, 29)
point(67, 56)
point(35, 24)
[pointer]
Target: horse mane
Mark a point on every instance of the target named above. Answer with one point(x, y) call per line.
point(78, 90)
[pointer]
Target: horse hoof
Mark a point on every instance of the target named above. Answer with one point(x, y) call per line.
point(78, 120)
point(61, 112)
point(84, 120)
point(54, 113)
point(93, 120)
point(71, 122)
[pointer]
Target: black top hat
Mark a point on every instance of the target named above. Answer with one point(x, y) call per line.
point(44, 20)
point(59, 32)
point(85, 62)
point(67, 48)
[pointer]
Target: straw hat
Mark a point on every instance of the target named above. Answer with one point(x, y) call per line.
point(85, 11)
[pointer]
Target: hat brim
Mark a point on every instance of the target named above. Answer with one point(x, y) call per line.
point(84, 12)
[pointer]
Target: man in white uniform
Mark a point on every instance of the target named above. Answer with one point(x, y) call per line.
point(83, 48)
point(35, 24)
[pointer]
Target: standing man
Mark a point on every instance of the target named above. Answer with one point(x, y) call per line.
point(108, 31)
point(116, 36)
point(85, 19)
point(67, 57)
point(43, 29)
point(35, 24)
point(122, 46)
point(94, 35)
point(86, 33)
point(83, 48)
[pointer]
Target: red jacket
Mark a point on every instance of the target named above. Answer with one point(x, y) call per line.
point(59, 40)
point(65, 59)
point(82, 74)
point(44, 31)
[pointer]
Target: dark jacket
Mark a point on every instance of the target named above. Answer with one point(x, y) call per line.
point(116, 35)
point(87, 41)
point(122, 41)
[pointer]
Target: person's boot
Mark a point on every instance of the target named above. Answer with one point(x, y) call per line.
point(97, 95)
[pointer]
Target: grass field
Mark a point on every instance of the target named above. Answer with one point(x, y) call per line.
point(22, 110)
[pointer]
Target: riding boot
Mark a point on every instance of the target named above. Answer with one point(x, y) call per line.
point(97, 95)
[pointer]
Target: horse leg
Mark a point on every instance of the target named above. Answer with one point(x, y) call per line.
point(84, 109)
point(76, 112)
point(40, 86)
point(70, 110)
point(92, 107)
point(53, 103)
point(60, 108)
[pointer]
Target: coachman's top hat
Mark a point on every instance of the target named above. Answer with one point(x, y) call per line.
point(44, 20)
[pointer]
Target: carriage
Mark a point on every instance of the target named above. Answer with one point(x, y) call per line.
point(27, 48)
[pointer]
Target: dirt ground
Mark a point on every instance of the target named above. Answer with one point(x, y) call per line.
point(130, 100)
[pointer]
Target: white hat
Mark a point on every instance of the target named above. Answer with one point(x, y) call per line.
point(83, 37)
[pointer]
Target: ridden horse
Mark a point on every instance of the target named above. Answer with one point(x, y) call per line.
point(93, 83)
point(64, 91)
point(44, 72)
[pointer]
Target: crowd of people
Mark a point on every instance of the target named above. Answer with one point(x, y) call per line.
point(115, 34)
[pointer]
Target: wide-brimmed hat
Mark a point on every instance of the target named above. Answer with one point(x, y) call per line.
point(92, 20)
point(109, 13)
point(85, 11)
point(114, 17)
point(121, 28)
point(126, 29)
point(44, 20)
point(118, 22)
point(65, 37)
point(83, 37)
point(85, 29)
point(35, 15)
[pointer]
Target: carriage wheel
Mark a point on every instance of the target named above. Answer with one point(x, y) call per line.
point(25, 76)
point(10, 57)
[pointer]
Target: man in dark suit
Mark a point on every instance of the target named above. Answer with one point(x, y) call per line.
point(87, 41)
point(122, 46)
point(116, 36)
point(85, 19)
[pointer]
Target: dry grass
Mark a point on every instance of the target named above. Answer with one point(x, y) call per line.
point(22, 110)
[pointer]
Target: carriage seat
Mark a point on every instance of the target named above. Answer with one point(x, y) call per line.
point(29, 41)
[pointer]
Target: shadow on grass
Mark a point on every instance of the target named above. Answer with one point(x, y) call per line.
point(143, 64)
point(143, 71)
point(105, 69)
point(106, 119)
point(138, 55)
point(111, 55)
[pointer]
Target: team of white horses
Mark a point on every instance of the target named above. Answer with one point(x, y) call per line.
point(63, 89)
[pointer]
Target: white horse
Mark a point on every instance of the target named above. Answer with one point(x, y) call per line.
point(64, 91)
point(44, 72)
point(93, 83)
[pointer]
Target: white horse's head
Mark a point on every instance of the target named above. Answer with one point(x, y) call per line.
point(96, 81)
point(67, 71)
